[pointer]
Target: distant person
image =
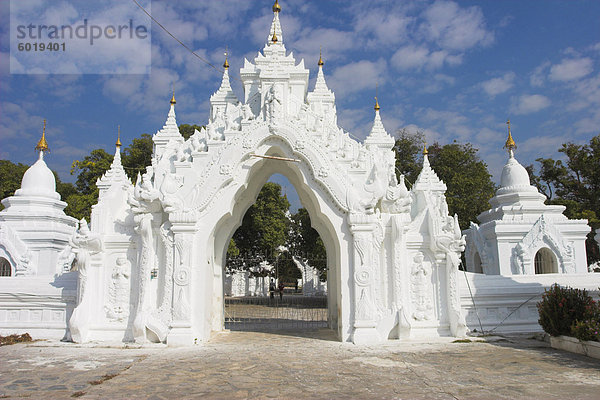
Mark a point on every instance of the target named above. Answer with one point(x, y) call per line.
point(281, 287)
point(272, 289)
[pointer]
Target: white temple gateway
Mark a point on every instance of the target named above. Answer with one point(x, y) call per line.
point(152, 266)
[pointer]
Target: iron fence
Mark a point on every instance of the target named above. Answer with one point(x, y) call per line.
point(259, 314)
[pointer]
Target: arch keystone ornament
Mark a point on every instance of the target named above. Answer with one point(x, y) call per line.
point(174, 225)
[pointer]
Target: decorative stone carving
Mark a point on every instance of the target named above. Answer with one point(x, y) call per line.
point(421, 290)
point(84, 244)
point(117, 307)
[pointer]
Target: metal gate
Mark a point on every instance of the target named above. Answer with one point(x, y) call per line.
point(260, 314)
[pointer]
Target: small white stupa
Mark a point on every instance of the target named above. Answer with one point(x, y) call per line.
point(34, 229)
point(520, 234)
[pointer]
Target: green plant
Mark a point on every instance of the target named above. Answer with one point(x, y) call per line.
point(561, 307)
point(588, 329)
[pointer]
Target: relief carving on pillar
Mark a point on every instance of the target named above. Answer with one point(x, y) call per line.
point(421, 288)
point(117, 305)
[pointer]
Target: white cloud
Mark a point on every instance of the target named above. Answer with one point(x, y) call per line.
point(527, 104)
point(542, 145)
point(571, 69)
point(410, 57)
point(379, 25)
point(419, 57)
point(538, 76)
point(456, 28)
point(369, 72)
point(496, 86)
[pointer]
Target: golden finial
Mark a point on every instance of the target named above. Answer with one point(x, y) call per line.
point(376, 100)
point(226, 63)
point(425, 152)
point(173, 97)
point(118, 144)
point(276, 7)
point(510, 143)
point(320, 63)
point(42, 144)
point(274, 38)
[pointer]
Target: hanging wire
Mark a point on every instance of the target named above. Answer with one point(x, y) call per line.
point(178, 41)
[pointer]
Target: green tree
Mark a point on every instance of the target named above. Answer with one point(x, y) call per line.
point(11, 175)
point(137, 156)
point(409, 154)
point(188, 130)
point(466, 176)
point(264, 229)
point(306, 244)
point(469, 182)
point(88, 170)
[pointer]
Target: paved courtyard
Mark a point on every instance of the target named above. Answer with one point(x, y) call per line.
point(238, 365)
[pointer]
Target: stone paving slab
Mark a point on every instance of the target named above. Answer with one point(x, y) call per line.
point(282, 365)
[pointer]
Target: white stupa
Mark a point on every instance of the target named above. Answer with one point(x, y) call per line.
point(520, 234)
point(33, 226)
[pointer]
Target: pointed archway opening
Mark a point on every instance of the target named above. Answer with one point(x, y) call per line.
point(276, 266)
point(305, 285)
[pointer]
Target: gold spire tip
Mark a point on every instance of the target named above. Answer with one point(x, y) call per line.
point(173, 102)
point(42, 145)
point(276, 7)
point(425, 152)
point(226, 63)
point(377, 104)
point(118, 144)
point(510, 143)
point(320, 63)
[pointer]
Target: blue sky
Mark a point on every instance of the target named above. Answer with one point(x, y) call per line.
point(454, 69)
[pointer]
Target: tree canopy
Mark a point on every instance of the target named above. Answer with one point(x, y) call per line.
point(466, 176)
point(263, 231)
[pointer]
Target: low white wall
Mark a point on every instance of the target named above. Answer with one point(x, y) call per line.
point(40, 306)
point(495, 297)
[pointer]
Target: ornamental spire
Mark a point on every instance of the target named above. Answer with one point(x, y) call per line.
point(42, 145)
point(425, 151)
point(118, 144)
point(377, 108)
point(173, 102)
point(320, 63)
point(275, 34)
point(510, 144)
point(226, 63)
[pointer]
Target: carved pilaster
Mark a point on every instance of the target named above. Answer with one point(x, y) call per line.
point(400, 284)
point(183, 228)
point(362, 227)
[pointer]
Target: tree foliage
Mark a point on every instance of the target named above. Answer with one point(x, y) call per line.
point(188, 130)
point(306, 244)
point(11, 175)
point(469, 182)
point(466, 176)
point(263, 231)
point(137, 156)
point(409, 154)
